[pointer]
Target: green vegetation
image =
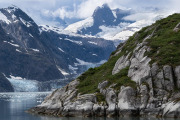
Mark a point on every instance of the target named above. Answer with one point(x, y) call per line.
point(165, 43)
point(100, 98)
point(90, 79)
point(165, 49)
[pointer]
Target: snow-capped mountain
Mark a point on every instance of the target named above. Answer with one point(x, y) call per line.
point(110, 24)
point(44, 53)
point(103, 23)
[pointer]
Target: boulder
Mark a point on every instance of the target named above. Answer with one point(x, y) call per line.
point(111, 99)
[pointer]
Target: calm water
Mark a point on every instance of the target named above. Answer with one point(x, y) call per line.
point(13, 105)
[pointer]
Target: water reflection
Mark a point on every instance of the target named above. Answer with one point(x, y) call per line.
point(124, 118)
point(13, 105)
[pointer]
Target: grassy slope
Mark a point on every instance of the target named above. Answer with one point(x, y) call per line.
point(165, 49)
point(165, 43)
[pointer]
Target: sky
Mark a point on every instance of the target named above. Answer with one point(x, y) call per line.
point(49, 11)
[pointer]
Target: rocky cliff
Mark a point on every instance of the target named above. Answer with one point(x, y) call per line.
point(141, 78)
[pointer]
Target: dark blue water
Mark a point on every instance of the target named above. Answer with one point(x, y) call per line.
point(14, 105)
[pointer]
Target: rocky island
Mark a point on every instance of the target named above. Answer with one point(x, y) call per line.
point(141, 78)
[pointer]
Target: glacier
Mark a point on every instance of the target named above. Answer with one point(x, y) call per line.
point(23, 85)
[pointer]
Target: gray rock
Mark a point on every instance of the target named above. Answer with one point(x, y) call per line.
point(176, 29)
point(111, 99)
point(121, 63)
point(99, 110)
point(61, 96)
point(139, 69)
point(177, 75)
point(168, 76)
point(144, 96)
point(154, 69)
point(171, 109)
point(127, 98)
point(102, 85)
point(159, 80)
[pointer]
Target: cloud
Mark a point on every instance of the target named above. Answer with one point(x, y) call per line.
point(86, 9)
point(81, 9)
point(62, 12)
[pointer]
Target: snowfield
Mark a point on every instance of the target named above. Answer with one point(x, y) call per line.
point(80, 25)
point(4, 18)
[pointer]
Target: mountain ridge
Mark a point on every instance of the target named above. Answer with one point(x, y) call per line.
point(32, 53)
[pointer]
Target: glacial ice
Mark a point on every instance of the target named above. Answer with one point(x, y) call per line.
point(23, 85)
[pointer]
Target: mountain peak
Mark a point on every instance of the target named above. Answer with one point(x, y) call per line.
point(105, 6)
point(103, 15)
point(11, 8)
point(13, 14)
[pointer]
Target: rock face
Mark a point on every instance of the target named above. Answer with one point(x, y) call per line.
point(5, 85)
point(45, 53)
point(156, 92)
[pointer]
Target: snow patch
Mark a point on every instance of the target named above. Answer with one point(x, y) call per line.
point(28, 24)
point(14, 17)
point(95, 54)
point(4, 18)
point(11, 44)
point(18, 50)
point(51, 28)
point(88, 64)
point(114, 13)
point(58, 30)
point(124, 35)
point(35, 50)
point(30, 35)
point(73, 69)
point(62, 71)
point(61, 50)
point(108, 32)
point(80, 25)
point(73, 41)
point(92, 42)
point(129, 30)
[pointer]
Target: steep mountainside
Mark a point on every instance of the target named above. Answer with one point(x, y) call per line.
point(32, 52)
point(141, 78)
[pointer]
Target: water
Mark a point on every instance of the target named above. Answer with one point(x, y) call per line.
point(14, 105)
